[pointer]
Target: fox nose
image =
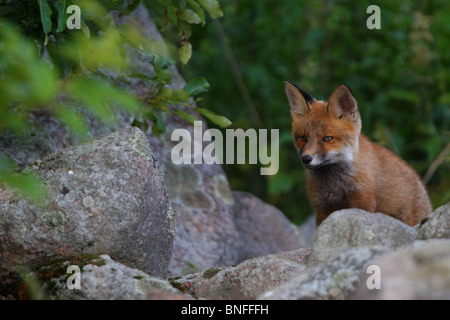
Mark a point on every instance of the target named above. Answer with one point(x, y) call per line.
point(306, 159)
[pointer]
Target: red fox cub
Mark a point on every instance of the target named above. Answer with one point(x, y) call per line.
point(344, 168)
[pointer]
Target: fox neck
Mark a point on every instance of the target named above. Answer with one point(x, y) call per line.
point(335, 182)
point(341, 171)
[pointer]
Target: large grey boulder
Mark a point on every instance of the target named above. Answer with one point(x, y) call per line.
point(356, 228)
point(105, 196)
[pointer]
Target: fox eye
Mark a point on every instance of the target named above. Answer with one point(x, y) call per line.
point(302, 138)
point(327, 139)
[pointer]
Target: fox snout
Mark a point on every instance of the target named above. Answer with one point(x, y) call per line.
point(311, 153)
point(306, 159)
point(313, 161)
point(317, 160)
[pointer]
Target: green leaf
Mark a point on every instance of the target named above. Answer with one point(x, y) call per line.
point(198, 10)
point(139, 75)
point(74, 121)
point(180, 96)
point(85, 29)
point(159, 125)
point(185, 30)
point(124, 99)
point(100, 96)
point(212, 7)
point(161, 62)
point(221, 121)
point(131, 36)
point(141, 123)
point(29, 184)
point(190, 16)
point(196, 86)
point(185, 52)
point(164, 75)
point(60, 5)
point(46, 14)
point(25, 182)
point(130, 8)
point(164, 93)
point(170, 10)
point(188, 117)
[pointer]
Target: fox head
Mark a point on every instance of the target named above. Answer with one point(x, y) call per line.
point(324, 132)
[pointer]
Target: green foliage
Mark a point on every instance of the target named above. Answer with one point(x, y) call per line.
point(46, 20)
point(31, 287)
point(222, 121)
point(399, 75)
point(196, 86)
point(182, 14)
point(26, 182)
point(165, 100)
point(74, 75)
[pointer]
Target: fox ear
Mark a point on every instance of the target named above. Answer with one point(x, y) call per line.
point(342, 104)
point(298, 99)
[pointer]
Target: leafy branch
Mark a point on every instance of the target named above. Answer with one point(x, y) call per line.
point(163, 99)
point(182, 14)
point(70, 74)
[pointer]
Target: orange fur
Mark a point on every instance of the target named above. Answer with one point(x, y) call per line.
point(350, 171)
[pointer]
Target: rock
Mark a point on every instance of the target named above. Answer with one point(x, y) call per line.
point(418, 271)
point(307, 230)
point(262, 228)
point(356, 228)
point(205, 233)
point(335, 280)
point(105, 196)
point(436, 225)
point(105, 279)
point(48, 135)
point(246, 280)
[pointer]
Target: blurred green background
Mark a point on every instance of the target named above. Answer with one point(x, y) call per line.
point(398, 74)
